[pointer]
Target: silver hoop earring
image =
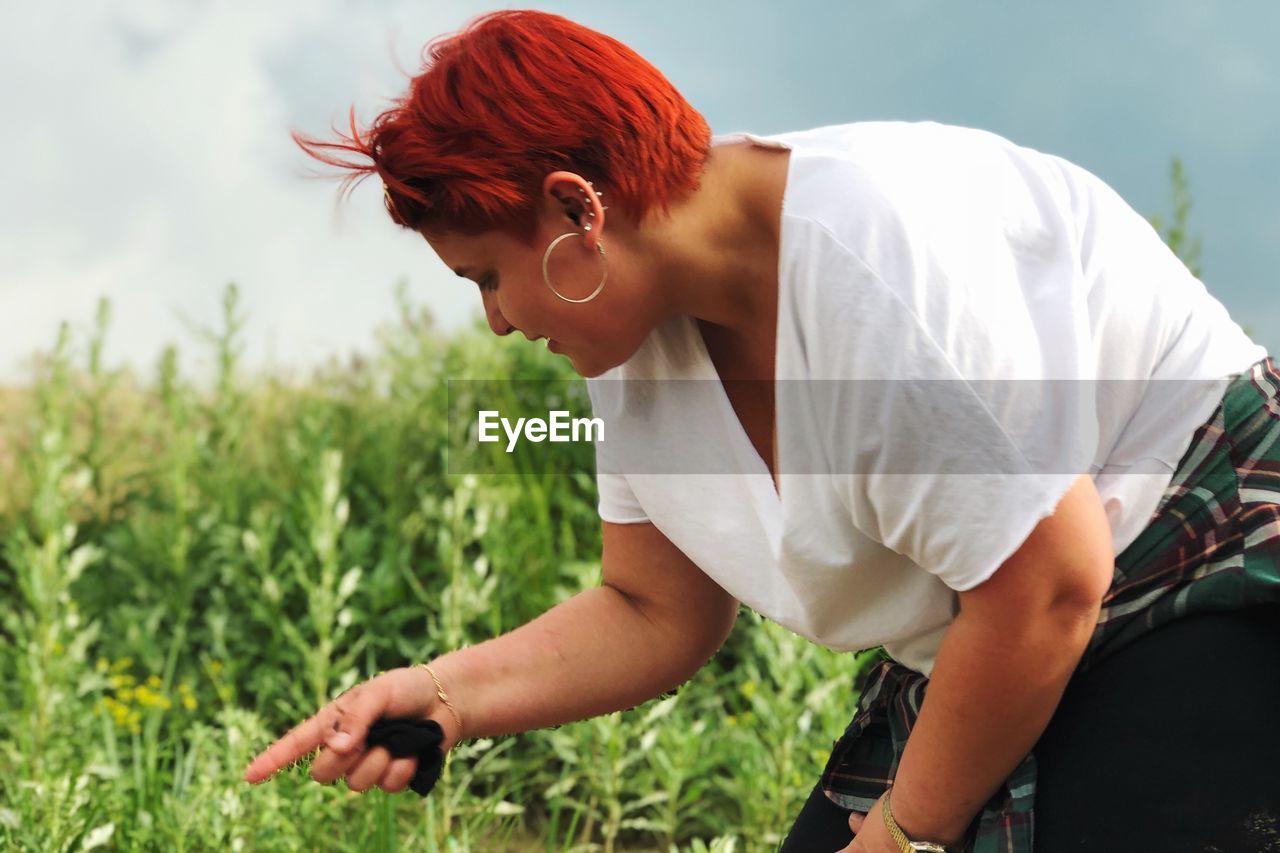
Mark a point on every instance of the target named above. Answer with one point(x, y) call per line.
point(546, 256)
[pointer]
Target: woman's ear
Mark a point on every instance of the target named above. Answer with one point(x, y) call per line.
point(574, 203)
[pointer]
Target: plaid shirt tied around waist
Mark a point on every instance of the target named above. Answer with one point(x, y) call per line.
point(1212, 544)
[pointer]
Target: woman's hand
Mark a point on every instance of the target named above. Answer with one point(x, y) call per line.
point(870, 833)
point(340, 727)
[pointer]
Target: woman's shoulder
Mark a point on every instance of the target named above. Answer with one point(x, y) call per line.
point(891, 139)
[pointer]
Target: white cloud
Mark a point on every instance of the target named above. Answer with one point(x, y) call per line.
point(154, 165)
point(148, 156)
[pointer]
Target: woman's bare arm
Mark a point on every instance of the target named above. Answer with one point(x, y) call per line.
point(655, 620)
point(1003, 667)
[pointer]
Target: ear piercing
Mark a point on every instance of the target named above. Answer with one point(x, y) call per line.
point(586, 202)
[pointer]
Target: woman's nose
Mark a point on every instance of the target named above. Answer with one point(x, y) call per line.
point(497, 322)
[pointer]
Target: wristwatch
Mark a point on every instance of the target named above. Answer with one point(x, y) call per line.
point(906, 845)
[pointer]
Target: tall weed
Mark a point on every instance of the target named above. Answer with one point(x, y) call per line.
point(194, 569)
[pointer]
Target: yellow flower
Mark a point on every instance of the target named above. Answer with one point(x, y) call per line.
point(731, 720)
point(125, 694)
point(57, 647)
point(188, 700)
point(147, 697)
point(155, 682)
point(215, 667)
point(103, 665)
point(119, 713)
point(748, 689)
point(118, 681)
point(122, 664)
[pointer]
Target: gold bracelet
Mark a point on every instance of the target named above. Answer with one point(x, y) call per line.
point(444, 698)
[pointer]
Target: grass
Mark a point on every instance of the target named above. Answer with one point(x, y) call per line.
point(194, 570)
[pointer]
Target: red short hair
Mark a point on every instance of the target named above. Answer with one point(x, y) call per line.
point(508, 99)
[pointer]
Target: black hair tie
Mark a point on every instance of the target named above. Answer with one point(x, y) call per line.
point(419, 739)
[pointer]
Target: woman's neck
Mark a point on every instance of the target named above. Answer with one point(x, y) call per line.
point(715, 257)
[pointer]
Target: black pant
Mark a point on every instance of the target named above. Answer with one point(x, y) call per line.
point(1171, 744)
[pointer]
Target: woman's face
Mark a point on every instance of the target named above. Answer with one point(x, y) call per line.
point(595, 336)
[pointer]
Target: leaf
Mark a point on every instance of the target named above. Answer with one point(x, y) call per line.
point(660, 710)
point(103, 771)
point(648, 739)
point(559, 789)
point(504, 808)
point(80, 559)
point(294, 636)
point(645, 824)
point(349, 582)
point(98, 836)
point(645, 802)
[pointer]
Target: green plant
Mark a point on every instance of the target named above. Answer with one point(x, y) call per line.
point(195, 569)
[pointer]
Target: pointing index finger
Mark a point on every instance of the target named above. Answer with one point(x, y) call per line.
point(299, 742)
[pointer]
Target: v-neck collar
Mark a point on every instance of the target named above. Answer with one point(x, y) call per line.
point(766, 495)
point(744, 452)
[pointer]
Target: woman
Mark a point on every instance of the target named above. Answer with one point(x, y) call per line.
point(947, 328)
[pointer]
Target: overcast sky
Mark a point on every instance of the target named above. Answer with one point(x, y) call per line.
point(147, 154)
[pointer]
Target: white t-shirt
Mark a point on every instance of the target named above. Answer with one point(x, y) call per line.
point(922, 267)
